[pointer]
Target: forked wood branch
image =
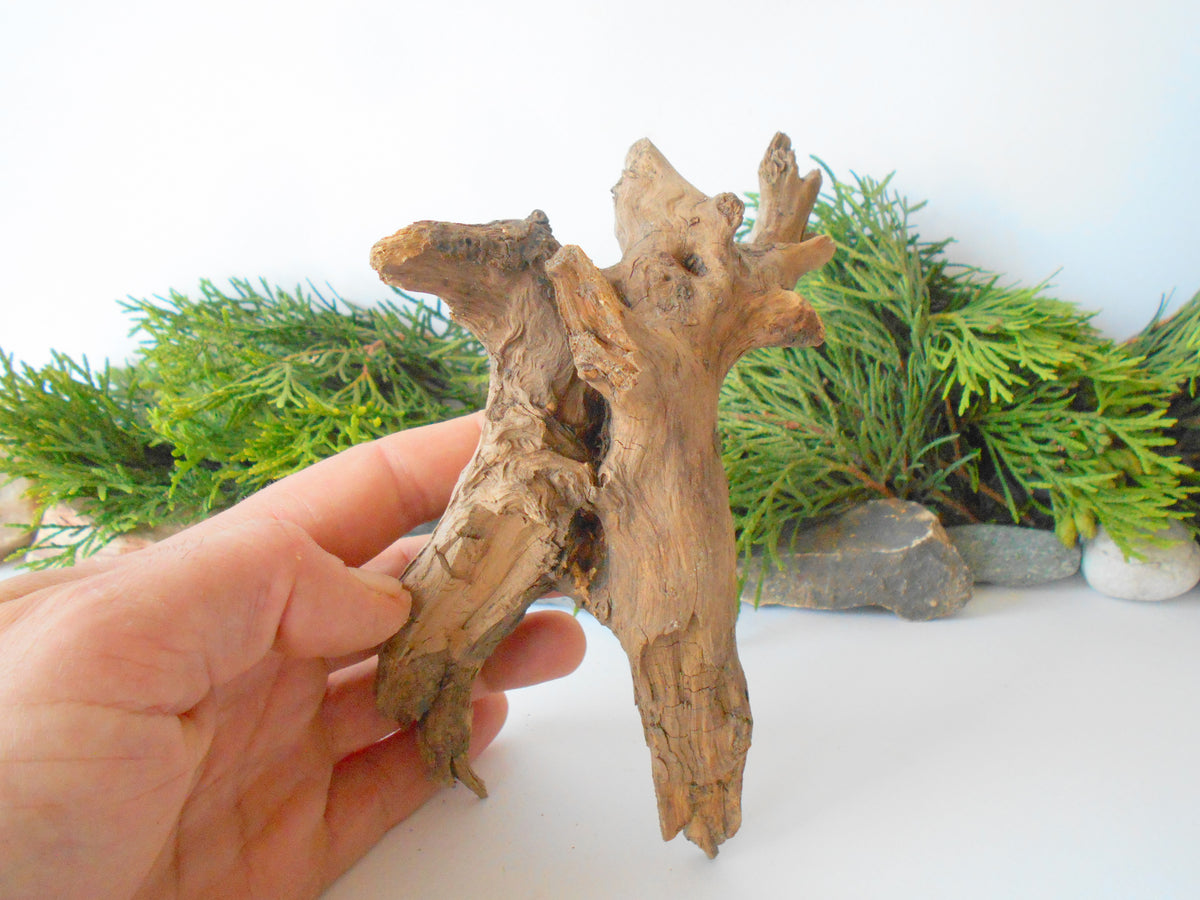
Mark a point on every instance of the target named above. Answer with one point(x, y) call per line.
point(599, 469)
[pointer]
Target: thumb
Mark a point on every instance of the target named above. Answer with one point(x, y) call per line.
point(328, 618)
point(196, 611)
point(272, 587)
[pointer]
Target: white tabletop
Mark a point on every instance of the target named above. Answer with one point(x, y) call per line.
point(1041, 743)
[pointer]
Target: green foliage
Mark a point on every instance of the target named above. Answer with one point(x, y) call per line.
point(813, 431)
point(993, 341)
point(252, 386)
point(228, 393)
point(1171, 351)
point(1171, 346)
point(937, 383)
point(1072, 426)
point(82, 436)
point(1081, 448)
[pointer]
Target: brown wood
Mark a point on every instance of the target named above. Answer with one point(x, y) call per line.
point(599, 469)
point(507, 533)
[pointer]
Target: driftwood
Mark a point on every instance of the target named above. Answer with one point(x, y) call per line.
point(598, 472)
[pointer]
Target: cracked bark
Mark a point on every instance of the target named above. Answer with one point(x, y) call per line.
point(507, 533)
point(621, 500)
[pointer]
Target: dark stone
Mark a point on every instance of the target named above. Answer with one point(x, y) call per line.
point(1014, 556)
point(889, 553)
point(424, 528)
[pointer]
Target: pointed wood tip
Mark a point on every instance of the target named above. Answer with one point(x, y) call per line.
point(642, 151)
point(701, 834)
point(785, 319)
point(647, 194)
point(462, 770)
point(644, 161)
point(707, 815)
point(798, 259)
point(785, 198)
point(566, 258)
point(780, 266)
point(819, 250)
point(778, 159)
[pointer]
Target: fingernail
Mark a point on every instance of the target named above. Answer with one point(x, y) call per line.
point(380, 581)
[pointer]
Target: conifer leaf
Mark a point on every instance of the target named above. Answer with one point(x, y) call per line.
point(939, 383)
point(229, 392)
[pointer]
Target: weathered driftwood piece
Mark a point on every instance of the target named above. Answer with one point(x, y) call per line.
point(599, 468)
point(507, 534)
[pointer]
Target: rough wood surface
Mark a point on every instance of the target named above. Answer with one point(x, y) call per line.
point(506, 534)
point(599, 469)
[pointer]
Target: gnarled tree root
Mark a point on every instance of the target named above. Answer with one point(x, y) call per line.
point(599, 470)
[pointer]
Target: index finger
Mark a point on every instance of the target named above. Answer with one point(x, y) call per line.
point(358, 502)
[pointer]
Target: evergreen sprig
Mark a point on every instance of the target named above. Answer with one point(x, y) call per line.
point(808, 432)
point(1170, 348)
point(994, 340)
point(938, 383)
point(82, 437)
point(1083, 448)
point(228, 392)
point(252, 385)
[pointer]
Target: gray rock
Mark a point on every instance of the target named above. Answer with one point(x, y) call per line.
point(888, 553)
point(1014, 556)
point(1163, 572)
point(424, 528)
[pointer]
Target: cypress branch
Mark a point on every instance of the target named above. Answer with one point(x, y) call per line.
point(937, 383)
point(227, 393)
point(1170, 348)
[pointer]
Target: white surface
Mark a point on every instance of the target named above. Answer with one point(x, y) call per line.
point(1040, 744)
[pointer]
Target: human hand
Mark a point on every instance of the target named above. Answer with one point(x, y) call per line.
point(197, 719)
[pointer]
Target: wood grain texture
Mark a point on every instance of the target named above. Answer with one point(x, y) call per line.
point(599, 470)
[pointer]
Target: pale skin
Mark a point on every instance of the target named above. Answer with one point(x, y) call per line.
point(197, 719)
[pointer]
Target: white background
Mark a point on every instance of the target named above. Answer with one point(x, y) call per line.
point(145, 145)
point(1041, 744)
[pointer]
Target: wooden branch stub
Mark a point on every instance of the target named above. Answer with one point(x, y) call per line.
point(509, 530)
point(599, 469)
point(785, 199)
point(595, 319)
point(793, 261)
